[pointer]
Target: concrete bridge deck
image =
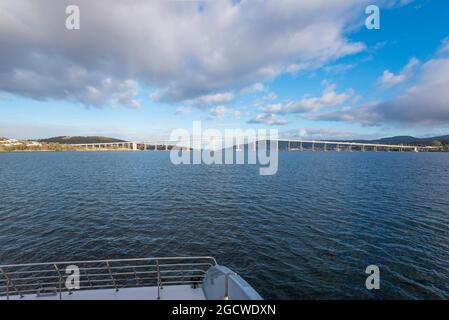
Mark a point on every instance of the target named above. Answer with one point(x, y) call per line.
point(291, 145)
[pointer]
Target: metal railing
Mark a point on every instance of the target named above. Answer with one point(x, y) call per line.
point(50, 278)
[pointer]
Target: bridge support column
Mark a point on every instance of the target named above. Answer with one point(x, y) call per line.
point(313, 146)
point(325, 148)
point(301, 147)
point(288, 146)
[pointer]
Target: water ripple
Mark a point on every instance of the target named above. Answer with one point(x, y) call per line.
point(307, 232)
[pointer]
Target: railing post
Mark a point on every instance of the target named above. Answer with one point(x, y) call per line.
point(135, 276)
point(87, 277)
point(110, 273)
point(60, 281)
point(158, 280)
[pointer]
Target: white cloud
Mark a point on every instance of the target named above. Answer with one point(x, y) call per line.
point(444, 48)
point(211, 99)
point(268, 119)
point(182, 110)
point(309, 104)
point(177, 47)
point(297, 67)
point(127, 92)
point(389, 79)
point(257, 87)
point(317, 133)
point(110, 92)
point(218, 111)
point(269, 96)
point(273, 108)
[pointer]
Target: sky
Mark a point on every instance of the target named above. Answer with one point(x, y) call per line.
point(139, 69)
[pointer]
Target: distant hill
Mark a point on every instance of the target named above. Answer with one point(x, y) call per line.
point(406, 140)
point(78, 139)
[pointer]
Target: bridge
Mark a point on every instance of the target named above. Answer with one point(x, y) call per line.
point(155, 146)
point(290, 145)
point(350, 146)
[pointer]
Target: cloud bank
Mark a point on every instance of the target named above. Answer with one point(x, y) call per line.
point(426, 103)
point(186, 50)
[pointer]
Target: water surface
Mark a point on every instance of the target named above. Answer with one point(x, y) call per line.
point(307, 232)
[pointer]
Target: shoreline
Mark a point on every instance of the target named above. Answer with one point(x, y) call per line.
point(78, 150)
